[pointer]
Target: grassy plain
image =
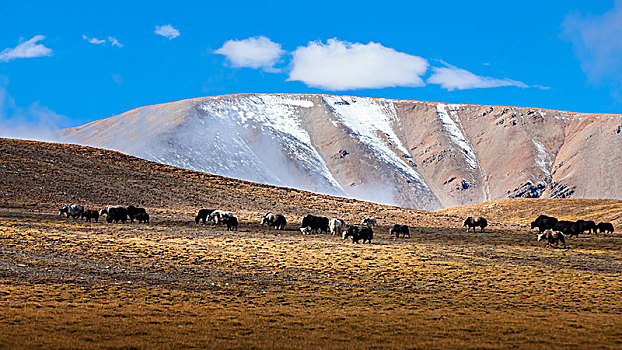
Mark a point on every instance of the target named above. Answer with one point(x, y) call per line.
point(172, 284)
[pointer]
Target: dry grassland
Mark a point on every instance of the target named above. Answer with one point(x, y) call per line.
point(175, 284)
point(521, 211)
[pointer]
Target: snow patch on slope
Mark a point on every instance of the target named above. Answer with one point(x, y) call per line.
point(543, 160)
point(299, 103)
point(366, 118)
point(455, 134)
point(256, 137)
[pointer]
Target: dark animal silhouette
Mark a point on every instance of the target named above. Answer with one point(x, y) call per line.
point(589, 226)
point(359, 232)
point(544, 223)
point(90, 214)
point(218, 215)
point(312, 223)
point(115, 214)
point(605, 227)
point(142, 218)
point(132, 211)
point(369, 221)
point(267, 219)
point(72, 210)
point(568, 228)
point(105, 210)
point(231, 222)
point(552, 237)
point(470, 222)
point(277, 221)
point(398, 230)
point(202, 215)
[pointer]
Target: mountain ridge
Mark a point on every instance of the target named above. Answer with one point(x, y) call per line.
point(240, 94)
point(417, 154)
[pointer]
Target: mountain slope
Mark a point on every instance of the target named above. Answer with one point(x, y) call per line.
point(41, 176)
point(415, 154)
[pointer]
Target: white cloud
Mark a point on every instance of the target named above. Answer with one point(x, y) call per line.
point(114, 42)
point(454, 78)
point(27, 49)
point(340, 65)
point(93, 40)
point(167, 31)
point(597, 45)
point(256, 52)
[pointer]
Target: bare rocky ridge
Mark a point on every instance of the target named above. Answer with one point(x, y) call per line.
point(415, 154)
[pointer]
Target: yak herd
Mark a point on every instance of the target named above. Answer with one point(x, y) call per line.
point(112, 213)
point(550, 229)
point(554, 231)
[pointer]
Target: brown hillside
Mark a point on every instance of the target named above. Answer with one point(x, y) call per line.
point(44, 176)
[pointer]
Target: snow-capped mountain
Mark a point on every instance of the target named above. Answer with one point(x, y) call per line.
point(415, 154)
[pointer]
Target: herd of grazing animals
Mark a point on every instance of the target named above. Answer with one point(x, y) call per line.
point(550, 228)
point(554, 231)
point(112, 213)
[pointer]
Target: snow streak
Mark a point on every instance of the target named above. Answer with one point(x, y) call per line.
point(455, 134)
point(368, 119)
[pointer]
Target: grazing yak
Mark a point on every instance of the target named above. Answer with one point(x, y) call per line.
point(552, 237)
point(132, 211)
point(544, 223)
point(202, 215)
point(369, 221)
point(589, 226)
point(398, 230)
point(105, 210)
point(73, 210)
point(605, 227)
point(231, 222)
point(217, 216)
point(470, 222)
point(568, 228)
point(115, 214)
point(268, 219)
point(142, 218)
point(336, 226)
point(311, 223)
point(90, 214)
point(277, 221)
point(358, 232)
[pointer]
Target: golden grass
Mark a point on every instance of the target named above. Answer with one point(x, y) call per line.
point(524, 210)
point(174, 284)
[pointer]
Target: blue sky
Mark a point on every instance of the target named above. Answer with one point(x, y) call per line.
point(551, 54)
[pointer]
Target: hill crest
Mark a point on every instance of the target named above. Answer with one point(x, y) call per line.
point(416, 154)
